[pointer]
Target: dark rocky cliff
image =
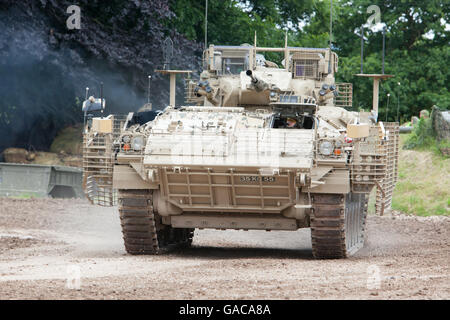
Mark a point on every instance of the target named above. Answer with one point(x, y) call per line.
point(45, 68)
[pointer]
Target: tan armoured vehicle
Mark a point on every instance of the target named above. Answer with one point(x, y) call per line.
point(260, 147)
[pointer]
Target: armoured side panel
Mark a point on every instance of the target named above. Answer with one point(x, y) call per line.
point(334, 181)
point(125, 177)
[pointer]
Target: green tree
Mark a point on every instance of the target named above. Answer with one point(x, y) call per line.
point(417, 41)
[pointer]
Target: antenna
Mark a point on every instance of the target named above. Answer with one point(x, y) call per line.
point(362, 48)
point(101, 96)
point(148, 92)
point(387, 106)
point(206, 24)
point(384, 41)
point(85, 111)
point(331, 33)
point(331, 21)
point(286, 51)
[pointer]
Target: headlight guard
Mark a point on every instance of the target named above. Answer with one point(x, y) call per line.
point(137, 143)
point(326, 147)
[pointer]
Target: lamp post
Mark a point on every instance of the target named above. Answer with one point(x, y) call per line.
point(387, 106)
point(398, 102)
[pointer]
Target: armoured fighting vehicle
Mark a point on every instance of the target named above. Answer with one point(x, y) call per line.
point(260, 146)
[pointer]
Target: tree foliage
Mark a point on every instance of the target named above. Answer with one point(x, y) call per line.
point(417, 41)
point(45, 66)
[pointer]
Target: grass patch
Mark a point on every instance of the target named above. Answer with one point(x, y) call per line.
point(372, 200)
point(423, 138)
point(25, 196)
point(423, 184)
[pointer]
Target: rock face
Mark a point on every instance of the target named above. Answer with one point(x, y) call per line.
point(441, 127)
point(45, 67)
point(441, 123)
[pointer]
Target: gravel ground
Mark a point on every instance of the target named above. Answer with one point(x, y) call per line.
point(45, 241)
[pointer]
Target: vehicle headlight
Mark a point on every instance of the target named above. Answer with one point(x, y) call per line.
point(137, 143)
point(126, 139)
point(326, 147)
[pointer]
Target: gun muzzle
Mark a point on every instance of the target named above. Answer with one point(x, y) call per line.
point(258, 84)
point(250, 74)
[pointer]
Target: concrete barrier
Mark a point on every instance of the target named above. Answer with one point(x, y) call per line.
point(32, 180)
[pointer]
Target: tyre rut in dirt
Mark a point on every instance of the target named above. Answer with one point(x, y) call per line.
point(142, 230)
point(337, 224)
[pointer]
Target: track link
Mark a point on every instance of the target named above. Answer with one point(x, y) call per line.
point(142, 230)
point(337, 224)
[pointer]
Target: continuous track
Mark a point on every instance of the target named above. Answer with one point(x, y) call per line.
point(338, 224)
point(142, 230)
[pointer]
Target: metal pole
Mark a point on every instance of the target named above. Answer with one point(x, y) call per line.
point(84, 119)
point(101, 97)
point(206, 24)
point(331, 21)
point(148, 93)
point(173, 81)
point(387, 107)
point(331, 33)
point(398, 102)
point(384, 40)
point(375, 98)
point(362, 48)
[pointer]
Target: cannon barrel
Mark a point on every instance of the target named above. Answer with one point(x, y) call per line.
point(250, 74)
point(258, 84)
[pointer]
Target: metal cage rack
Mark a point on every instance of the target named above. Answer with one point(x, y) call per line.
point(98, 163)
point(387, 184)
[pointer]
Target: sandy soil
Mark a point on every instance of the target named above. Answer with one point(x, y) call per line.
point(44, 242)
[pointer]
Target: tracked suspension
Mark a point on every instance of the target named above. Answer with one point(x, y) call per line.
point(337, 224)
point(142, 230)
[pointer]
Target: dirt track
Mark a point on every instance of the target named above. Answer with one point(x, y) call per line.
point(40, 240)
